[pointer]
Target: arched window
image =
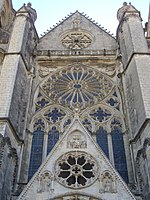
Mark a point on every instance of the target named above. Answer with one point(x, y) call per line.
point(119, 153)
point(36, 149)
point(102, 141)
point(53, 137)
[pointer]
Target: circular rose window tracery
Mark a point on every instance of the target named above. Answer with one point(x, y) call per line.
point(77, 86)
point(76, 169)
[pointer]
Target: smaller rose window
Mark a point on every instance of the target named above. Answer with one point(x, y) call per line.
point(76, 169)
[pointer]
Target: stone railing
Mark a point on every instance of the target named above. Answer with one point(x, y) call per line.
point(75, 53)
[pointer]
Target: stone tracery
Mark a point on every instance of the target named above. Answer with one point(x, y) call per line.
point(100, 114)
point(77, 86)
point(76, 169)
point(76, 40)
point(88, 94)
point(54, 115)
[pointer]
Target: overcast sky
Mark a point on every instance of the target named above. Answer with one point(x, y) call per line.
point(102, 11)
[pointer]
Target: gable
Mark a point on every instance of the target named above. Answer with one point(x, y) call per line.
point(76, 166)
point(74, 28)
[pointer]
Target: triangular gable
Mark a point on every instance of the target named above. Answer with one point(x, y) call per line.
point(77, 23)
point(76, 155)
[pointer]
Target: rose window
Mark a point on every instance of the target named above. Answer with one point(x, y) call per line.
point(77, 86)
point(76, 169)
point(76, 40)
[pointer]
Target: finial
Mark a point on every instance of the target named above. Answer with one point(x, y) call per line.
point(29, 4)
point(125, 4)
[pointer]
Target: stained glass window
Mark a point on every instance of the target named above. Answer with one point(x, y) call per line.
point(77, 86)
point(119, 153)
point(36, 151)
point(100, 114)
point(87, 124)
point(53, 137)
point(67, 122)
point(40, 102)
point(54, 115)
point(102, 141)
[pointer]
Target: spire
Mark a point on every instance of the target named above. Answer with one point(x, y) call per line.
point(147, 25)
point(127, 7)
point(30, 10)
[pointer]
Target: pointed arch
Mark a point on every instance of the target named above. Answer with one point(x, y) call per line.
point(102, 140)
point(36, 147)
point(119, 152)
point(53, 137)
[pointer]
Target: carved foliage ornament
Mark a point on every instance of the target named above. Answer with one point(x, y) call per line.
point(76, 169)
point(76, 40)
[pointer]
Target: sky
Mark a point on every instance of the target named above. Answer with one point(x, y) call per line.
point(50, 12)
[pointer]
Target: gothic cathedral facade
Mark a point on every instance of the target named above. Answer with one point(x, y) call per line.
point(74, 108)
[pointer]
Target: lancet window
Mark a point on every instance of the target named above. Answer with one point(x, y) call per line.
point(119, 153)
point(53, 137)
point(80, 91)
point(102, 140)
point(46, 132)
point(36, 148)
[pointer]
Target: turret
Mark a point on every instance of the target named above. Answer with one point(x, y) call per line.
point(148, 24)
point(15, 88)
point(23, 39)
point(136, 86)
point(130, 34)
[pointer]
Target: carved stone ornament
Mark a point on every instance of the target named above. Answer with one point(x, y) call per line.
point(46, 70)
point(76, 141)
point(107, 183)
point(2, 128)
point(142, 164)
point(76, 40)
point(46, 182)
point(76, 197)
point(76, 169)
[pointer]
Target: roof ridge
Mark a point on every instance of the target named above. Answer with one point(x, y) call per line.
point(58, 23)
point(97, 24)
point(84, 15)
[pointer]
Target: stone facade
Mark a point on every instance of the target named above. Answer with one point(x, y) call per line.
point(74, 108)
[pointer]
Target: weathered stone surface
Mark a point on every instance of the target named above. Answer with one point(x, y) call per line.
point(81, 86)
